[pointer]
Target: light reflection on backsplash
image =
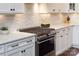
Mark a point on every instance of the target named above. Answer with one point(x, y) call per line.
point(45, 18)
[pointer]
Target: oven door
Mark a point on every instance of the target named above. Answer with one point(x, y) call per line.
point(46, 46)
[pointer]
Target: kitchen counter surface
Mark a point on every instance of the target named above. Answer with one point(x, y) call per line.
point(5, 38)
point(60, 26)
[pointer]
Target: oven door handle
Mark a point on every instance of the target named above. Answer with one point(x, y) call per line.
point(45, 40)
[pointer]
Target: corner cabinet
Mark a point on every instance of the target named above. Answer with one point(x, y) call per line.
point(11, 8)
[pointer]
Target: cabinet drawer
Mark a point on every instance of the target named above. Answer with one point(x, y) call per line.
point(60, 31)
point(59, 36)
point(2, 54)
point(1, 48)
point(22, 42)
point(14, 52)
point(22, 51)
point(12, 45)
point(26, 41)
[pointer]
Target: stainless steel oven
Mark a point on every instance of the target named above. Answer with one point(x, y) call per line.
point(46, 46)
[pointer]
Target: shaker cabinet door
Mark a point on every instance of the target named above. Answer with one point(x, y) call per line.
point(27, 51)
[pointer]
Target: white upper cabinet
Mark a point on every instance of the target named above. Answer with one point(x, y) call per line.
point(4, 7)
point(59, 8)
point(17, 7)
point(11, 8)
point(65, 7)
point(54, 7)
point(77, 7)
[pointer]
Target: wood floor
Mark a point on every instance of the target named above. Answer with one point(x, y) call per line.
point(71, 52)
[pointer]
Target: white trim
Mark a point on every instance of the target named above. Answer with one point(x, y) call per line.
point(75, 45)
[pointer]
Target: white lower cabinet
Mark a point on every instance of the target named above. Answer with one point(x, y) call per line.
point(59, 46)
point(69, 36)
point(24, 47)
point(76, 36)
point(63, 39)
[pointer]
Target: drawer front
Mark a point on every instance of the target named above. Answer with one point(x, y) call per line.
point(27, 41)
point(22, 51)
point(11, 46)
point(60, 31)
point(2, 49)
point(60, 34)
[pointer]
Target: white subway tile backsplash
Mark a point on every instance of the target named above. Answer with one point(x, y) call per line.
point(17, 21)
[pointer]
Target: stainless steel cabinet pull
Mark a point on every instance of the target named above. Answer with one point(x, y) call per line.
point(13, 9)
point(61, 36)
point(57, 32)
point(29, 41)
point(23, 51)
point(14, 45)
point(10, 9)
point(63, 30)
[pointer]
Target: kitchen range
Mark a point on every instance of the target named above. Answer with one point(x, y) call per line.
point(45, 40)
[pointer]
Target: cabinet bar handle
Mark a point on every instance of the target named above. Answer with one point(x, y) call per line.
point(14, 45)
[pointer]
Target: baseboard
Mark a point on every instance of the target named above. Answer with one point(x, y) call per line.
point(75, 45)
